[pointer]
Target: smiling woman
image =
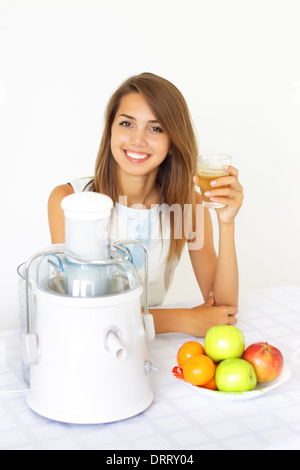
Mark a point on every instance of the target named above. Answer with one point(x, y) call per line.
point(147, 159)
point(138, 147)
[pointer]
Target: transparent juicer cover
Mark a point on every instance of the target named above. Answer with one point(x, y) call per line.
point(89, 266)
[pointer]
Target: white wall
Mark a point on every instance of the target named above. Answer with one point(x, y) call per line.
point(236, 62)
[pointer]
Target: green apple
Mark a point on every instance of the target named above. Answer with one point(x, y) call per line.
point(224, 342)
point(235, 375)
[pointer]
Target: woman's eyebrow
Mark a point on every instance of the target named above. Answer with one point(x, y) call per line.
point(153, 121)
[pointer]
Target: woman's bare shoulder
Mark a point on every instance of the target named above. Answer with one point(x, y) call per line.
point(59, 193)
point(56, 214)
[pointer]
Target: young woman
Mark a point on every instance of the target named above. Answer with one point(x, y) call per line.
point(146, 164)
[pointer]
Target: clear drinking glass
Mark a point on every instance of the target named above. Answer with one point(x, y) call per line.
point(209, 168)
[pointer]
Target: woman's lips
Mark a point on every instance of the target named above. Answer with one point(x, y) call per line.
point(136, 157)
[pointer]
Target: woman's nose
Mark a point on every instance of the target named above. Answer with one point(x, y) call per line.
point(138, 138)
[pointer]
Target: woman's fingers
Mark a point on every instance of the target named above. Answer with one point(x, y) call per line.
point(229, 196)
point(230, 181)
point(231, 320)
point(231, 170)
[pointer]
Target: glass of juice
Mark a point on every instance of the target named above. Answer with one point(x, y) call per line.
point(209, 168)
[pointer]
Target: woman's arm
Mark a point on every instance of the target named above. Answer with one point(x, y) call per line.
point(193, 321)
point(223, 270)
point(226, 283)
point(55, 213)
point(217, 276)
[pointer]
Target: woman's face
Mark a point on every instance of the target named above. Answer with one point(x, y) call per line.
point(139, 144)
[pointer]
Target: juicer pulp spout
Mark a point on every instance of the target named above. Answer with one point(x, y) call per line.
point(113, 343)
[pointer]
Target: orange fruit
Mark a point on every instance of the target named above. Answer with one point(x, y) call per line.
point(211, 385)
point(187, 350)
point(198, 370)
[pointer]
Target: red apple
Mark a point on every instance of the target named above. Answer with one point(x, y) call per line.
point(266, 360)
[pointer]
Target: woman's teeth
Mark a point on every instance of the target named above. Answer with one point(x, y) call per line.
point(137, 156)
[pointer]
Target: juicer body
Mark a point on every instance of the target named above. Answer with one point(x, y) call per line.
point(79, 376)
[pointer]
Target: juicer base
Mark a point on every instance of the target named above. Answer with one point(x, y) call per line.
point(95, 417)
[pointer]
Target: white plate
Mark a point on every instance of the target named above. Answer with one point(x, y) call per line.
point(259, 391)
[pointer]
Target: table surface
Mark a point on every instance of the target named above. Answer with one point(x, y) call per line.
point(180, 418)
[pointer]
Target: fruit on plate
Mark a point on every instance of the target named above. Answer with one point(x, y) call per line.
point(188, 349)
point(266, 360)
point(198, 370)
point(224, 342)
point(235, 375)
point(211, 385)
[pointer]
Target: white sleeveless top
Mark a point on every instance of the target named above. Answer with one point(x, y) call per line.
point(152, 227)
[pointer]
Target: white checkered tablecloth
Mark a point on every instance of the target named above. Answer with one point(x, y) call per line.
point(179, 418)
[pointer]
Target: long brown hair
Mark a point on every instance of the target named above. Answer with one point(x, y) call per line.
point(175, 174)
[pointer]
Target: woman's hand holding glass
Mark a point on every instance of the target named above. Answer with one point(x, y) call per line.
point(230, 196)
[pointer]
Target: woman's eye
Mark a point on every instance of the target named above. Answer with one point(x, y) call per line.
point(125, 124)
point(156, 129)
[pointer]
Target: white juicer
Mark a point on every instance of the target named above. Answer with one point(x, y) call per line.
point(86, 339)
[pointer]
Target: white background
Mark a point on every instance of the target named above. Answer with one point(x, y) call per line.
point(235, 61)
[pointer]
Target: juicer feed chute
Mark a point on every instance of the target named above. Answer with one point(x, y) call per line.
point(87, 221)
point(88, 334)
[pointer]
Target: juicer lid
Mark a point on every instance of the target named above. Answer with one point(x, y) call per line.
point(87, 206)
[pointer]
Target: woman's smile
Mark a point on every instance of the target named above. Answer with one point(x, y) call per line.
point(136, 157)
